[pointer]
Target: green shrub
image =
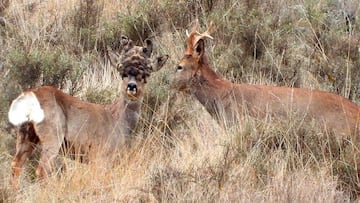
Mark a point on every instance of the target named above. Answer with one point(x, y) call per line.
point(104, 96)
point(110, 36)
point(86, 22)
point(44, 67)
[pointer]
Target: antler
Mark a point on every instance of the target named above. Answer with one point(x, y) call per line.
point(116, 58)
point(135, 59)
point(195, 36)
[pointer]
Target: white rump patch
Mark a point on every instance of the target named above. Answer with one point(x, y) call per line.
point(26, 108)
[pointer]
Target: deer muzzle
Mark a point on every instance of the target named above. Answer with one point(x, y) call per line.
point(131, 88)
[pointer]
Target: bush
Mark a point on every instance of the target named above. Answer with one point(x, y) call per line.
point(41, 67)
point(86, 22)
point(105, 96)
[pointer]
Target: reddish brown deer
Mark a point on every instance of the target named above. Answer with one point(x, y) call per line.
point(227, 101)
point(87, 131)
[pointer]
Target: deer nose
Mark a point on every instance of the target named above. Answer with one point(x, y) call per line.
point(131, 87)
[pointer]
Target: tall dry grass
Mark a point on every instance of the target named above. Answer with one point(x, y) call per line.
point(179, 153)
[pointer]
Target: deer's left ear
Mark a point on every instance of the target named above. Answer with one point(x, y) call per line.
point(160, 62)
point(199, 49)
point(124, 40)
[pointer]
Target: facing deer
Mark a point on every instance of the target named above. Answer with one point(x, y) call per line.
point(227, 101)
point(87, 131)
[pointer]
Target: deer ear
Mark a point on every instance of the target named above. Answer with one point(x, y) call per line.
point(124, 40)
point(160, 62)
point(199, 49)
point(112, 56)
point(148, 49)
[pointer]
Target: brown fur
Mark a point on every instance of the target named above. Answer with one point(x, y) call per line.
point(86, 130)
point(228, 101)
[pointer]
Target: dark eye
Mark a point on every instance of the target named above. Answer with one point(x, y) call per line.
point(139, 78)
point(144, 50)
point(124, 75)
point(179, 68)
point(188, 56)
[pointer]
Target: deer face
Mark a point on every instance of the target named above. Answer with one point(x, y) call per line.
point(188, 70)
point(133, 84)
point(135, 65)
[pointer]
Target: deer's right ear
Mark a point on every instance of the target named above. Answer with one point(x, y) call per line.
point(113, 57)
point(199, 49)
point(149, 47)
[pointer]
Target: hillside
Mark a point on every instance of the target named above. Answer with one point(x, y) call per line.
point(179, 153)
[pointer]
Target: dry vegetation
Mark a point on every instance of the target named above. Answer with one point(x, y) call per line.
point(179, 153)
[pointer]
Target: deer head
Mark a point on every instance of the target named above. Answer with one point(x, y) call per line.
point(194, 59)
point(135, 65)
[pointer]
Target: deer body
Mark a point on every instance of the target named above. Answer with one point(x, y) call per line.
point(228, 102)
point(87, 131)
point(84, 126)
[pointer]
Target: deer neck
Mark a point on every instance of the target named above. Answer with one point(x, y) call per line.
point(126, 114)
point(210, 90)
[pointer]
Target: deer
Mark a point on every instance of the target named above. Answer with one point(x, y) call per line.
point(87, 131)
point(228, 102)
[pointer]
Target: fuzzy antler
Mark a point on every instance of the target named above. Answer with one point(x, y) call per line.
point(195, 36)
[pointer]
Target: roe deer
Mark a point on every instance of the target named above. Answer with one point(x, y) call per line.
point(87, 131)
point(227, 101)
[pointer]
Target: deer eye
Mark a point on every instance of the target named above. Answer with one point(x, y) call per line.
point(188, 56)
point(139, 77)
point(179, 68)
point(124, 75)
